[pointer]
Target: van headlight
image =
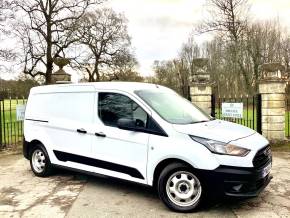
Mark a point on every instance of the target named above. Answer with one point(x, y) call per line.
point(221, 147)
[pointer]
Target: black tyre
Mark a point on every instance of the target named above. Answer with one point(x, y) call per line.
point(39, 161)
point(180, 188)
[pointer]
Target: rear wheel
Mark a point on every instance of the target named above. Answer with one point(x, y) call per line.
point(180, 188)
point(39, 161)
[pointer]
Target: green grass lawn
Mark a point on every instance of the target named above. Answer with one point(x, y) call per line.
point(12, 130)
point(10, 109)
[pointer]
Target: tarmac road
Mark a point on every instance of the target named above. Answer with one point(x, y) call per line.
point(68, 194)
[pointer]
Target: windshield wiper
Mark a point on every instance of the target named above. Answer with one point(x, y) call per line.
point(202, 121)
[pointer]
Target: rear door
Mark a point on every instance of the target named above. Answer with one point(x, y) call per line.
point(122, 153)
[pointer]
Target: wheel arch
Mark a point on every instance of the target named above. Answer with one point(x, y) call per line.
point(27, 146)
point(162, 164)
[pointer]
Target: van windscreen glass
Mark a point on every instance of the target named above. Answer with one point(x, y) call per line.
point(172, 107)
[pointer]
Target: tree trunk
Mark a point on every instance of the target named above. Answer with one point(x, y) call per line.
point(48, 73)
point(49, 64)
point(91, 77)
point(256, 73)
point(96, 74)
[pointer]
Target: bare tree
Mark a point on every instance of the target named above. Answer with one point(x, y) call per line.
point(171, 73)
point(286, 53)
point(261, 42)
point(124, 68)
point(175, 73)
point(6, 13)
point(189, 51)
point(185, 64)
point(226, 16)
point(104, 33)
point(229, 19)
point(163, 74)
point(237, 50)
point(47, 31)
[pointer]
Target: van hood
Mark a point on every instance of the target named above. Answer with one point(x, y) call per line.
point(218, 130)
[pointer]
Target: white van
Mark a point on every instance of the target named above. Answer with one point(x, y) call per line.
point(144, 133)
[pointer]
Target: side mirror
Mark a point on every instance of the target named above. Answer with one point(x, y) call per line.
point(127, 124)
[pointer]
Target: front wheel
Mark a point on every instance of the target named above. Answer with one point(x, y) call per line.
point(39, 161)
point(179, 188)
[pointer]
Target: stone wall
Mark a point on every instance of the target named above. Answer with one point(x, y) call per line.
point(273, 109)
point(201, 96)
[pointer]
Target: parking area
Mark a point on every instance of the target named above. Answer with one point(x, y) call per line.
point(68, 194)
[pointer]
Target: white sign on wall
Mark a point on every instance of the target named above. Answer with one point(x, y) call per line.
point(233, 110)
point(20, 111)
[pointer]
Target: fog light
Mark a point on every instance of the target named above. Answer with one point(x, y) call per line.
point(237, 188)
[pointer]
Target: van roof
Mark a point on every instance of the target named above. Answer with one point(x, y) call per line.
point(93, 86)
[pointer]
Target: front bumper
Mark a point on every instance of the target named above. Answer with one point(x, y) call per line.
point(242, 181)
point(239, 181)
point(25, 148)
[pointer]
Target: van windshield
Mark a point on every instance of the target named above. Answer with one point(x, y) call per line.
point(172, 107)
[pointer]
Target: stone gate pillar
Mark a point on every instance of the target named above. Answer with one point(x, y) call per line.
point(272, 87)
point(201, 86)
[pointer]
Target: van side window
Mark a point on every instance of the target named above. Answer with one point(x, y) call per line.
point(113, 106)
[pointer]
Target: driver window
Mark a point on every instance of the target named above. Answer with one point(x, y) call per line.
point(113, 106)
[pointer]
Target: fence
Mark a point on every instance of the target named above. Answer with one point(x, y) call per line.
point(11, 128)
point(251, 115)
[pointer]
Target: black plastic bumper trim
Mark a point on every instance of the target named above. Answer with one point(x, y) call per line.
point(224, 178)
point(63, 156)
point(25, 149)
point(43, 121)
point(253, 193)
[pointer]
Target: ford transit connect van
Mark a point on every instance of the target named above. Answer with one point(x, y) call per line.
point(147, 134)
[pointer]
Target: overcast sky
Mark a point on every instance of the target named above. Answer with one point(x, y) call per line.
point(159, 27)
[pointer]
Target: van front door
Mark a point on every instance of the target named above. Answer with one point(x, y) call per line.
point(120, 153)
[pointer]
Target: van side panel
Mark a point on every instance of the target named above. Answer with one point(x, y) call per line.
point(53, 119)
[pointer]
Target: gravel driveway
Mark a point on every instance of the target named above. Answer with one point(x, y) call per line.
point(68, 194)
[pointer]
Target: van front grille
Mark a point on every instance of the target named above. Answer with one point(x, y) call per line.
point(262, 157)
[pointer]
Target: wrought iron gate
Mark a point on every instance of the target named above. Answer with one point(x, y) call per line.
point(251, 110)
point(11, 129)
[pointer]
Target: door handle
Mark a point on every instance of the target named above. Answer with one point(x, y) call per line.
point(100, 134)
point(81, 131)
